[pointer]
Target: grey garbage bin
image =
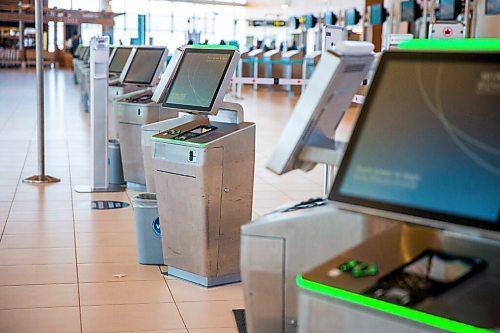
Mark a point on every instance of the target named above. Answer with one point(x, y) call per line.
point(115, 167)
point(147, 226)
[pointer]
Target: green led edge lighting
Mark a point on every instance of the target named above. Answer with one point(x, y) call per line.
point(479, 44)
point(400, 311)
point(179, 142)
point(215, 46)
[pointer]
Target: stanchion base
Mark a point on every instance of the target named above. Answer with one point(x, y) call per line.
point(90, 189)
point(41, 180)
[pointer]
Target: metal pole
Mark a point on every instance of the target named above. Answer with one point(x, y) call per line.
point(40, 88)
point(466, 19)
point(423, 29)
point(41, 177)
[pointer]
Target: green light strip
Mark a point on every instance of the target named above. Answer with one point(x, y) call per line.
point(393, 309)
point(468, 44)
point(179, 142)
point(215, 46)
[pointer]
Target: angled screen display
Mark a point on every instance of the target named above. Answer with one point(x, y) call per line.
point(429, 148)
point(198, 79)
point(119, 59)
point(144, 65)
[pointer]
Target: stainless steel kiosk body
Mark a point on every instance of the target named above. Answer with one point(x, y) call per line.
point(283, 243)
point(135, 109)
point(204, 170)
point(426, 157)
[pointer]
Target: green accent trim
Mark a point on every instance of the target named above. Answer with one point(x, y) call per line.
point(469, 44)
point(179, 142)
point(280, 62)
point(215, 46)
point(393, 309)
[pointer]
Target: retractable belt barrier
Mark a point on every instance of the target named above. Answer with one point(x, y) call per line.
point(277, 62)
point(359, 99)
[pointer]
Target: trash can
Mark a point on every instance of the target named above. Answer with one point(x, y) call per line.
point(147, 226)
point(115, 167)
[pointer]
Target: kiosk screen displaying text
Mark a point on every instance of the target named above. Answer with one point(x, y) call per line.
point(431, 140)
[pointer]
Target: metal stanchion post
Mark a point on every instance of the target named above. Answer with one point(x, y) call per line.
point(41, 177)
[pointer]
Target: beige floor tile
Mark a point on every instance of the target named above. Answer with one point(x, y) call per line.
point(214, 330)
point(12, 257)
point(131, 292)
point(211, 314)
point(123, 254)
point(104, 215)
point(99, 239)
point(37, 274)
point(131, 317)
point(183, 291)
point(38, 296)
point(120, 196)
point(41, 320)
point(112, 226)
point(41, 240)
point(105, 272)
point(6, 196)
point(32, 216)
point(52, 205)
point(42, 195)
point(161, 331)
point(38, 227)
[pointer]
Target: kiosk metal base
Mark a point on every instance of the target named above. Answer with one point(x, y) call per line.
point(38, 179)
point(136, 187)
point(90, 189)
point(203, 280)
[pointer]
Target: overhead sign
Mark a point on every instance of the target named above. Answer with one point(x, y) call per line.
point(268, 23)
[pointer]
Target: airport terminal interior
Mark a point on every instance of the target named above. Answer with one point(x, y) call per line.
point(260, 166)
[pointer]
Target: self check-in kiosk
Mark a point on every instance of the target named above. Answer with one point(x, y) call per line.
point(204, 167)
point(117, 61)
point(137, 108)
point(426, 155)
point(292, 239)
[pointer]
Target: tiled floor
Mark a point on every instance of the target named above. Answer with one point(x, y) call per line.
point(59, 259)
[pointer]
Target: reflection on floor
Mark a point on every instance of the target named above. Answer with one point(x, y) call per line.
point(59, 259)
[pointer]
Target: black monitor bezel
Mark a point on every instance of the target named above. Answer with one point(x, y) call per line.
point(114, 57)
point(165, 104)
point(401, 210)
point(138, 49)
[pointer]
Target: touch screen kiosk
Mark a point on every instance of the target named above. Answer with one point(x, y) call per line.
point(428, 157)
point(204, 170)
point(117, 62)
point(136, 109)
point(294, 238)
